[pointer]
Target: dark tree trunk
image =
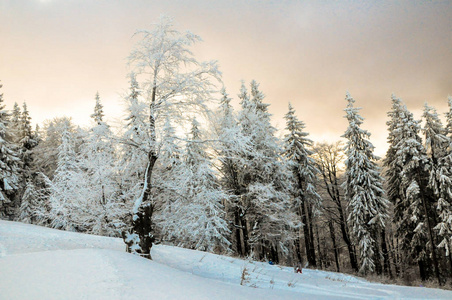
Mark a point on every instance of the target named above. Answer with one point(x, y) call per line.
point(274, 254)
point(142, 219)
point(306, 234)
point(238, 227)
point(450, 264)
point(345, 237)
point(238, 238)
point(298, 251)
point(422, 270)
point(397, 258)
point(333, 191)
point(384, 249)
point(143, 226)
point(311, 233)
point(142, 222)
point(333, 239)
point(377, 252)
point(244, 226)
point(318, 247)
point(432, 241)
point(307, 225)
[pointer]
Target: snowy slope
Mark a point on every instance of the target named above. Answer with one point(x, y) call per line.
point(42, 263)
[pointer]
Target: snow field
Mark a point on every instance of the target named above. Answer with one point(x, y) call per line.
point(43, 263)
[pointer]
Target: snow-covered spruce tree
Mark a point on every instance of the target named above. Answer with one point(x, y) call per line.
point(176, 84)
point(31, 199)
point(15, 122)
point(436, 142)
point(393, 170)
point(440, 178)
point(413, 200)
point(68, 199)
point(24, 141)
point(46, 152)
point(265, 180)
point(367, 206)
point(298, 154)
point(444, 176)
point(197, 217)
point(393, 187)
point(98, 114)
point(97, 160)
point(9, 166)
point(231, 148)
point(36, 206)
point(27, 140)
point(449, 117)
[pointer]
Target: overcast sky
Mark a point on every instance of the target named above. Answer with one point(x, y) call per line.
point(55, 54)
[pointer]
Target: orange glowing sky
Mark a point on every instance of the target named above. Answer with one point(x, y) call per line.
point(56, 54)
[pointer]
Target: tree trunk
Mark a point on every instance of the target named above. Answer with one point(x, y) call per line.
point(384, 248)
point(307, 240)
point(343, 225)
point(432, 242)
point(422, 270)
point(238, 238)
point(244, 226)
point(298, 251)
point(377, 253)
point(329, 174)
point(333, 239)
point(450, 264)
point(318, 247)
point(142, 221)
point(397, 258)
point(307, 225)
point(311, 233)
point(345, 237)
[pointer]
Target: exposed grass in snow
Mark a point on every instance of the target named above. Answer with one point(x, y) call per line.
point(42, 263)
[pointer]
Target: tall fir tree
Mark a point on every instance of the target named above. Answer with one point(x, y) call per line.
point(438, 149)
point(9, 166)
point(413, 199)
point(67, 195)
point(97, 161)
point(27, 142)
point(449, 117)
point(298, 154)
point(265, 181)
point(231, 149)
point(367, 206)
point(98, 110)
point(15, 122)
point(31, 204)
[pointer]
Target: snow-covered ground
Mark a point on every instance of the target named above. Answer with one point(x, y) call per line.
point(42, 263)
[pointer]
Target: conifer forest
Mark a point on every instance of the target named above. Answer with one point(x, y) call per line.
point(187, 167)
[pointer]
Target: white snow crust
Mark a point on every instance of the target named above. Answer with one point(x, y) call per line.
point(43, 263)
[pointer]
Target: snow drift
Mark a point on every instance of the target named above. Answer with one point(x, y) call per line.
point(43, 263)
